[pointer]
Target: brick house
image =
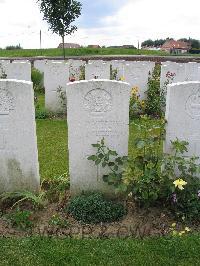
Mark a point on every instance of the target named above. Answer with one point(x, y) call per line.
point(69, 45)
point(176, 47)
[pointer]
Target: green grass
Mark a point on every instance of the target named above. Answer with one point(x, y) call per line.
point(47, 251)
point(76, 52)
point(52, 147)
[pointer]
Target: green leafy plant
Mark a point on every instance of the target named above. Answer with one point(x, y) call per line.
point(56, 187)
point(56, 220)
point(21, 219)
point(94, 208)
point(143, 173)
point(113, 73)
point(62, 97)
point(109, 159)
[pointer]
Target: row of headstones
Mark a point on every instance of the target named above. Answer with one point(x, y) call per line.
point(57, 75)
point(20, 70)
point(93, 114)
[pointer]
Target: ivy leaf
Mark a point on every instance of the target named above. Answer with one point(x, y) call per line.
point(116, 168)
point(98, 161)
point(96, 145)
point(100, 156)
point(92, 158)
point(113, 153)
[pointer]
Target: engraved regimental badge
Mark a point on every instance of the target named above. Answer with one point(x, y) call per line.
point(98, 101)
point(192, 105)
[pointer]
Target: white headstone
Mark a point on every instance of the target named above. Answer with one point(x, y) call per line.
point(40, 65)
point(56, 77)
point(191, 72)
point(96, 109)
point(183, 116)
point(180, 72)
point(19, 170)
point(137, 74)
point(19, 71)
point(97, 71)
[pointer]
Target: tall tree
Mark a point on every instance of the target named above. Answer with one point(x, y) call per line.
point(60, 14)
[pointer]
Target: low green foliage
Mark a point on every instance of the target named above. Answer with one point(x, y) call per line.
point(56, 187)
point(94, 208)
point(58, 221)
point(37, 200)
point(152, 177)
point(42, 114)
point(20, 219)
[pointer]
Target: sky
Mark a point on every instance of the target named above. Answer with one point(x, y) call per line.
point(103, 22)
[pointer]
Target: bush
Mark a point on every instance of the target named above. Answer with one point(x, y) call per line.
point(37, 79)
point(93, 208)
point(153, 101)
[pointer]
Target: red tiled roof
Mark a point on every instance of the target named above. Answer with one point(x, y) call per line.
point(176, 45)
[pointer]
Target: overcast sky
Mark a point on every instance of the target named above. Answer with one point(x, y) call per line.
point(104, 22)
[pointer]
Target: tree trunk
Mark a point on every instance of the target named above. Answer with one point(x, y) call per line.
point(63, 43)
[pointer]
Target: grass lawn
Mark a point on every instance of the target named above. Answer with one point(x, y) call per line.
point(76, 52)
point(47, 251)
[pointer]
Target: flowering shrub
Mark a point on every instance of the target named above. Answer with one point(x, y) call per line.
point(152, 177)
point(182, 181)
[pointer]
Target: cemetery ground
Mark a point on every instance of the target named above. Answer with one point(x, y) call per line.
point(38, 229)
point(48, 235)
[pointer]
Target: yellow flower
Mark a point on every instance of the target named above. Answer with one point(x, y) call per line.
point(174, 224)
point(135, 89)
point(180, 183)
point(142, 103)
point(174, 232)
point(122, 79)
point(187, 229)
point(181, 233)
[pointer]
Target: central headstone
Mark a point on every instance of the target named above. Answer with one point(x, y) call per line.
point(96, 109)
